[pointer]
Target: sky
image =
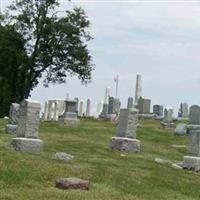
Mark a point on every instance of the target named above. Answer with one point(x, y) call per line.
point(158, 39)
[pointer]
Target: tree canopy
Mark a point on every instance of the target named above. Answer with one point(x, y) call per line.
point(46, 43)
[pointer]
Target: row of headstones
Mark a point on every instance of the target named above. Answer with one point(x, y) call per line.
point(125, 140)
point(56, 108)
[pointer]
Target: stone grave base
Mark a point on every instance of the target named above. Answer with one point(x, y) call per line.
point(168, 125)
point(26, 144)
point(191, 163)
point(70, 121)
point(125, 144)
point(11, 129)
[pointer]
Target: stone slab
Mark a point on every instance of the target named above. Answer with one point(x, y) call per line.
point(11, 129)
point(125, 144)
point(26, 144)
point(63, 156)
point(168, 125)
point(72, 183)
point(191, 163)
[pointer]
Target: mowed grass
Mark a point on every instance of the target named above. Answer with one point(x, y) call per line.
point(114, 175)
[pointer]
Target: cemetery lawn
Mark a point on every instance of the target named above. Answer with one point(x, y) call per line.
point(114, 175)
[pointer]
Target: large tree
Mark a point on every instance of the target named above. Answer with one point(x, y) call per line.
point(55, 43)
point(13, 58)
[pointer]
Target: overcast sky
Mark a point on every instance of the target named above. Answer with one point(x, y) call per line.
point(158, 39)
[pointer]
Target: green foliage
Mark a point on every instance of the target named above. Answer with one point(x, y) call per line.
point(13, 70)
point(55, 44)
point(114, 175)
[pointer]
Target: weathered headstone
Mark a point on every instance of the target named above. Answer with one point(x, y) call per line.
point(158, 110)
point(130, 103)
point(80, 111)
point(144, 105)
point(88, 107)
point(168, 119)
point(70, 115)
point(125, 139)
point(99, 108)
point(28, 126)
point(183, 111)
point(193, 160)
point(11, 127)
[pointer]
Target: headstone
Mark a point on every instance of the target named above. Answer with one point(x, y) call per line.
point(158, 110)
point(194, 117)
point(69, 118)
point(88, 107)
point(168, 119)
point(11, 127)
point(130, 103)
point(99, 108)
point(193, 160)
point(181, 129)
point(138, 89)
point(183, 111)
point(114, 106)
point(28, 126)
point(80, 112)
point(144, 105)
point(125, 139)
point(46, 106)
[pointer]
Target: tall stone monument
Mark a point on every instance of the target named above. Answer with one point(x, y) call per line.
point(28, 127)
point(11, 127)
point(70, 116)
point(168, 119)
point(192, 161)
point(138, 88)
point(125, 139)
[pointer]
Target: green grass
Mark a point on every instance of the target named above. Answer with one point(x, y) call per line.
point(135, 176)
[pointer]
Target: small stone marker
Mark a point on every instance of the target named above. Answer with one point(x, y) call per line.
point(193, 160)
point(162, 161)
point(27, 130)
point(125, 139)
point(63, 156)
point(11, 127)
point(72, 183)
